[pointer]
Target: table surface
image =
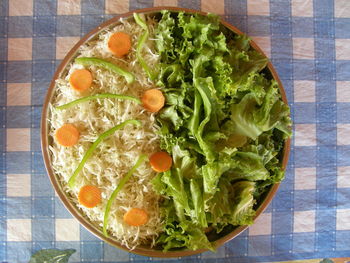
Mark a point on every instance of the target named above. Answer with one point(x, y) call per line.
point(309, 44)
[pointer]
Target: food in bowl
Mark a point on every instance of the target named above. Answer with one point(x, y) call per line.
point(167, 129)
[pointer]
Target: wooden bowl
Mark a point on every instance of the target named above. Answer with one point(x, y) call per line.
point(142, 250)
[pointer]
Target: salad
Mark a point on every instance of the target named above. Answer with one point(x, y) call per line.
point(168, 130)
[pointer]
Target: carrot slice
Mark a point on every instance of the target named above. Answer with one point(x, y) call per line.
point(161, 161)
point(136, 217)
point(67, 135)
point(153, 100)
point(119, 44)
point(80, 79)
point(89, 196)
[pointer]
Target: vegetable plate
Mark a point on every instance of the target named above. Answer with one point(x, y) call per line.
point(166, 132)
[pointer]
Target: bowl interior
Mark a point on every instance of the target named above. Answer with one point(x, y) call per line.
point(229, 232)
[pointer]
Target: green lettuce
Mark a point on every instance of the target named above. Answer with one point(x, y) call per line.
point(224, 123)
point(251, 118)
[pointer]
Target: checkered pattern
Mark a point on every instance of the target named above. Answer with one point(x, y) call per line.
point(308, 41)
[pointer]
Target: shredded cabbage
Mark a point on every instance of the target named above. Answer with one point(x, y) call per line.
point(117, 154)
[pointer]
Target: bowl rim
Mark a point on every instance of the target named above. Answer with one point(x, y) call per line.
point(143, 250)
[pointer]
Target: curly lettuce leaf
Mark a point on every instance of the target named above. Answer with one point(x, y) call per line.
point(184, 235)
point(243, 203)
point(253, 115)
point(224, 124)
point(233, 204)
point(165, 40)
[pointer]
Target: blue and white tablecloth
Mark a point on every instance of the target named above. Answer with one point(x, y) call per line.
point(308, 42)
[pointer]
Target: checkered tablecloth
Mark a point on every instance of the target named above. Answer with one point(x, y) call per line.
point(308, 42)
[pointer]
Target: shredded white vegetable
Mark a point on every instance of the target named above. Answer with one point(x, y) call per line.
point(117, 154)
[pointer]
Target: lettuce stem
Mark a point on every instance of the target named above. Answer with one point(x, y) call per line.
point(86, 61)
point(140, 45)
point(122, 182)
point(89, 152)
point(98, 96)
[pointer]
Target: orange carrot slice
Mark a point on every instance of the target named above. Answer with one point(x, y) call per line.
point(153, 100)
point(89, 196)
point(161, 161)
point(119, 44)
point(80, 80)
point(67, 135)
point(136, 217)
